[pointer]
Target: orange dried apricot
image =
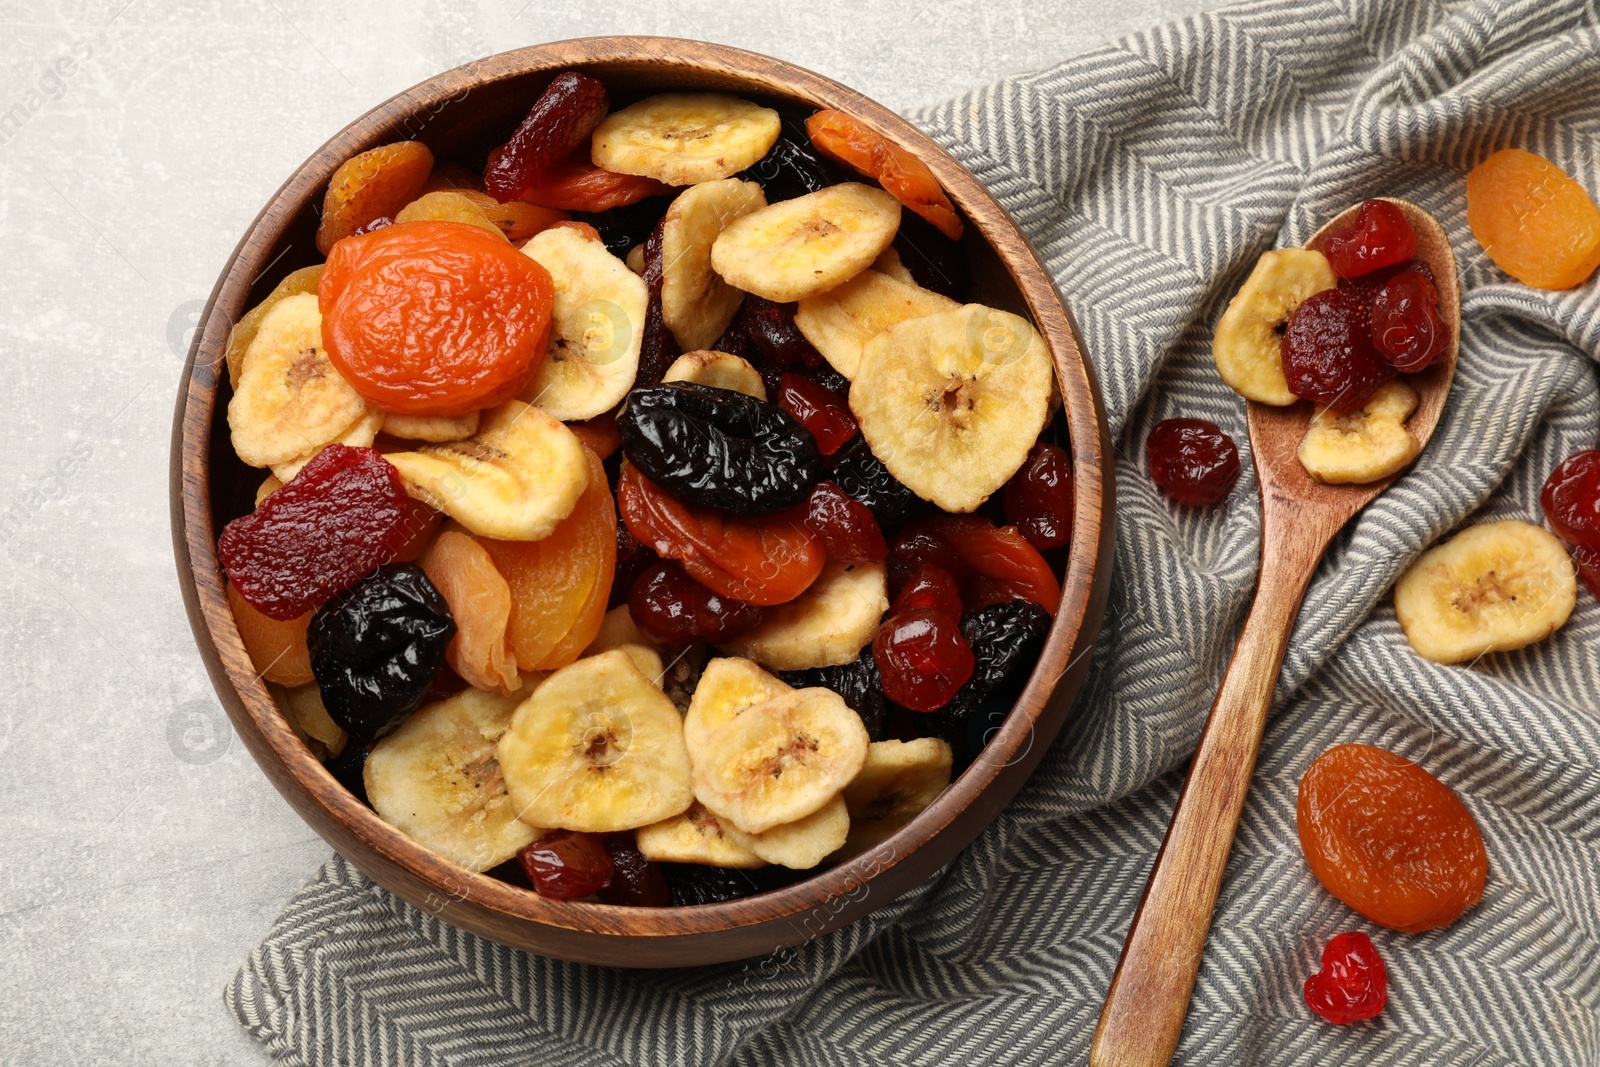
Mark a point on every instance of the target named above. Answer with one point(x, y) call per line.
point(575, 184)
point(599, 433)
point(480, 602)
point(278, 649)
point(447, 205)
point(560, 585)
point(1389, 839)
point(371, 185)
point(852, 142)
point(434, 318)
point(1534, 221)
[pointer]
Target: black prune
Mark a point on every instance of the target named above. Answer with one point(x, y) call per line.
point(764, 333)
point(657, 345)
point(863, 476)
point(620, 228)
point(792, 167)
point(858, 683)
point(719, 448)
point(348, 767)
point(376, 647)
point(694, 883)
point(1005, 639)
point(935, 261)
point(828, 378)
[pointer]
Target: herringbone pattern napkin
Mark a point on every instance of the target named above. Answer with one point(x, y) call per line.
point(1150, 174)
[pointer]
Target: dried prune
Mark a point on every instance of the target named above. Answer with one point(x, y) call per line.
point(1038, 498)
point(828, 378)
point(348, 766)
point(825, 415)
point(342, 515)
point(670, 606)
point(845, 526)
point(1379, 236)
point(862, 475)
point(1192, 460)
point(620, 228)
point(1006, 640)
point(658, 348)
point(791, 166)
point(857, 682)
point(564, 865)
point(718, 448)
point(935, 261)
point(635, 881)
point(376, 648)
point(561, 120)
point(693, 883)
point(922, 658)
point(1328, 356)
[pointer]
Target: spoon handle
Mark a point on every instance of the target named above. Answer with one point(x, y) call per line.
point(1142, 1018)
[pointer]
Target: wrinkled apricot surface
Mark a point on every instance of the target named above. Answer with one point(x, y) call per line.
point(278, 649)
point(1389, 839)
point(434, 318)
point(902, 175)
point(375, 183)
point(480, 602)
point(575, 184)
point(1535, 222)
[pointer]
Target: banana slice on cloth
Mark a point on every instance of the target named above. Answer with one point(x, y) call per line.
point(1246, 345)
point(951, 403)
point(781, 760)
point(294, 283)
point(519, 476)
point(597, 748)
point(435, 429)
point(826, 626)
point(1366, 445)
point(728, 687)
point(840, 322)
point(719, 370)
point(696, 304)
point(685, 138)
point(361, 434)
point(291, 400)
point(802, 844)
point(1491, 588)
point(696, 836)
point(898, 780)
point(438, 780)
point(802, 247)
point(596, 325)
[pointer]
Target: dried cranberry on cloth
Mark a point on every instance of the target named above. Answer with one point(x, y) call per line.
point(1151, 174)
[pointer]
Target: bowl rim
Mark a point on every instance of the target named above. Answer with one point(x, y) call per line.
point(436, 884)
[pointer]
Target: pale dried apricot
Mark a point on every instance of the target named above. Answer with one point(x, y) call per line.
point(278, 649)
point(447, 206)
point(480, 602)
point(1534, 221)
point(373, 184)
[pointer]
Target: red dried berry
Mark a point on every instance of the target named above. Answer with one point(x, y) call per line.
point(1380, 236)
point(929, 587)
point(1192, 460)
point(917, 546)
point(559, 122)
point(1571, 502)
point(823, 413)
point(635, 881)
point(846, 527)
point(342, 516)
point(1328, 356)
point(922, 658)
point(564, 865)
point(1352, 984)
point(1407, 329)
point(670, 606)
point(1038, 498)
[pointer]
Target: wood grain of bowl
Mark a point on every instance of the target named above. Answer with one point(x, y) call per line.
point(461, 114)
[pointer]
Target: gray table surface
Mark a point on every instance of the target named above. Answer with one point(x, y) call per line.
point(141, 852)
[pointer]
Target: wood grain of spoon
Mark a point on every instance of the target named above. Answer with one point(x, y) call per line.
point(1142, 1018)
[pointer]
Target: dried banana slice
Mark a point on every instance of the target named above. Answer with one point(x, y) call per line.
point(951, 403)
point(294, 283)
point(596, 325)
point(696, 836)
point(647, 661)
point(684, 138)
point(802, 247)
point(781, 760)
point(719, 370)
point(1366, 445)
point(435, 429)
point(728, 687)
point(437, 779)
point(361, 434)
point(696, 304)
point(1491, 588)
point(803, 844)
point(890, 263)
point(515, 480)
point(898, 780)
point(841, 321)
point(597, 748)
point(291, 400)
point(1247, 346)
point(309, 716)
point(826, 626)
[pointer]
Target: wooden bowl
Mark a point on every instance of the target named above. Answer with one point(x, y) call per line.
point(461, 114)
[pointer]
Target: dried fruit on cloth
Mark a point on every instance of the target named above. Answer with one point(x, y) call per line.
point(1534, 221)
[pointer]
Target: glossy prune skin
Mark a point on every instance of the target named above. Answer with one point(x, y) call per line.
point(857, 683)
point(376, 648)
point(863, 476)
point(1006, 639)
point(620, 228)
point(935, 261)
point(559, 123)
point(792, 167)
point(694, 883)
point(719, 448)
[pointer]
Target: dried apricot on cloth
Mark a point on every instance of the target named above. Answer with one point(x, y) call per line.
point(853, 143)
point(434, 318)
point(1535, 222)
point(1389, 839)
point(371, 185)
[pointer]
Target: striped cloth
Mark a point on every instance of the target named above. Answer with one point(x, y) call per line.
point(1150, 175)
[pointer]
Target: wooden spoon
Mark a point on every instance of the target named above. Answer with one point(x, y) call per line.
point(1143, 1014)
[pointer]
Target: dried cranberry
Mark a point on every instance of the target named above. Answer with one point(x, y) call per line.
point(1380, 236)
point(1038, 498)
point(1407, 329)
point(565, 865)
point(341, 516)
point(844, 525)
point(770, 335)
point(998, 564)
point(559, 122)
point(670, 606)
point(922, 658)
point(1352, 984)
point(635, 881)
point(824, 414)
point(1328, 356)
point(1571, 502)
point(929, 587)
point(1192, 460)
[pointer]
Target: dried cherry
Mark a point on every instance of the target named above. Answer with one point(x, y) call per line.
point(999, 563)
point(635, 881)
point(922, 657)
point(622, 227)
point(929, 587)
point(857, 682)
point(846, 527)
point(566, 865)
point(341, 516)
point(916, 547)
point(826, 415)
point(1192, 460)
point(864, 477)
point(791, 166)
point(560, 122)
point(673, 608)
point(1407, 329)
point(1379, 236)
point(1328, 356)
point(719, 448)
point(1571, 502)
point(1038, 498)
point(376, 647)
point(1352, 984)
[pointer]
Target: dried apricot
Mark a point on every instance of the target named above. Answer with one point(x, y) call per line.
point(599, 433)
point(480, 602)
point(278, 649)
point(1389, 839)
point(447, 206)
point(1535, 222)
point(434, 318)
point(575, 184)
point(852, 142)
point(370, 185)
point(517, 219)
